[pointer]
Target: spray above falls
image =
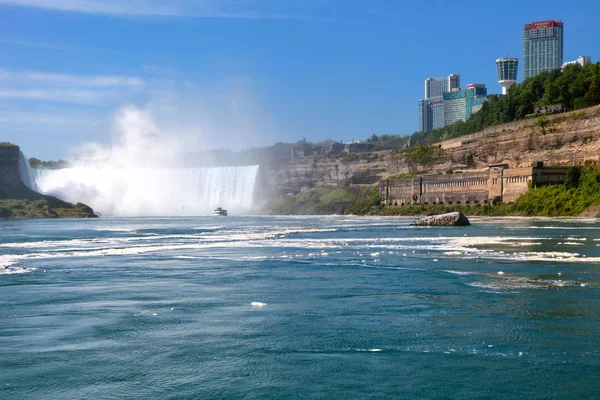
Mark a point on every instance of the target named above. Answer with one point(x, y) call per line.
point(141, 174)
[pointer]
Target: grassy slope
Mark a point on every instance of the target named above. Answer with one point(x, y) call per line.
point(317, 201)
point(22, 202)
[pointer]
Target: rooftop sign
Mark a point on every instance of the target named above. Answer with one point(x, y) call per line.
point(542, 24)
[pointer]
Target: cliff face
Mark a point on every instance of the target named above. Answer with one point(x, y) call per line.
point(563, 139)
point(9, 168)
point(566, 139)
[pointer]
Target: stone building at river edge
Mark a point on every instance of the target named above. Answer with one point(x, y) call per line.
point(496, 183)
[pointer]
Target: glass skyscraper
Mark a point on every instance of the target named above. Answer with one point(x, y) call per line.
point(542, 47)
point(461, 104)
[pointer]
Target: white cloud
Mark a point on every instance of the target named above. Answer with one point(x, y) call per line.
point(46, 120)
point(35, 44)
point(70, 80)
point(57, 95)
point(174, 8)
point(67, 88)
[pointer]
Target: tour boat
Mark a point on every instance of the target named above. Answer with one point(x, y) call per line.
point(219, 212)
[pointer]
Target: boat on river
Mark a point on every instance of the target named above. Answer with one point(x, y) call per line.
point(219, 212)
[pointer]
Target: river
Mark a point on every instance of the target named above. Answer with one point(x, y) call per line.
point(299, 307)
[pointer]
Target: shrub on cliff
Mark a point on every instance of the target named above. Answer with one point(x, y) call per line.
point(365, 203)
point(580, 191)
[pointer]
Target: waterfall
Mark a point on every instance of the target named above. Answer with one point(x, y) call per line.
point(26, 172)
point(154, 192)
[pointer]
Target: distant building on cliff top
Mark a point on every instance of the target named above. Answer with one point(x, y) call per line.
point(581, 60)
point(459, 105)
point(542, 47)
point(357, 147)
point(431, 108)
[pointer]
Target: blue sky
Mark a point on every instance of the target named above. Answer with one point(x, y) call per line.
point(250, 72)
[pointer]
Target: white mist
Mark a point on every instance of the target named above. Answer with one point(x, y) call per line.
point(141, 174)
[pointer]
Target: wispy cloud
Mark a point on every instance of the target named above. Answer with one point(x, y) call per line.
point(170, 8)
point(70, 80)
point(46, 119)
point(73, 96)
point(67, 88)
point(35, 44)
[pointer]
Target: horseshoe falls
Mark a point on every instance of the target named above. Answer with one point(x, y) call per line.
point(154, 192)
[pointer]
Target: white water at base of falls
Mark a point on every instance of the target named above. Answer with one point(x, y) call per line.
point(154, 192)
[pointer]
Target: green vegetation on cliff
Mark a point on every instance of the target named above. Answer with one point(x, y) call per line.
point(39, 164)
point(580, 192)
point(323, 201)
point(46, 208)
point(18, 201)
point(316, 201)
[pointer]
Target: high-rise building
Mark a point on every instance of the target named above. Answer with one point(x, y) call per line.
point(436, 87)
point(507, 72)
point(542, 47)
point(459, 105)
point(581, 60)
point(431, 108)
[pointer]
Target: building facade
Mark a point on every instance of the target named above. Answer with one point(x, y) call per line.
point(542, 47)
point(459, 105)
point(431, 108)
point(436, 87)
point(581, 60)
point(497, 183)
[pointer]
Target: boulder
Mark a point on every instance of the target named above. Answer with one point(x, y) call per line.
point(449, 219)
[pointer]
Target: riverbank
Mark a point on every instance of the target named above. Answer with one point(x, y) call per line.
point(579, 195)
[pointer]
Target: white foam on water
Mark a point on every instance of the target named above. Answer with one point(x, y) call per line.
point(258, 304)
point(7, 260)
point(511, 283)
point(16, 270)
point(459, 272)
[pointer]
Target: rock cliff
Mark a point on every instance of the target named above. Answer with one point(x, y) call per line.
point(9, 170)
point(564, 139)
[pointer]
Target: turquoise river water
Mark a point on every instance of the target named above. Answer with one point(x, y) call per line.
point(299, 308)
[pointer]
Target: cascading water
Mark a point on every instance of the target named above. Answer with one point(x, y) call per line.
point(154, 192)
point(26, 172)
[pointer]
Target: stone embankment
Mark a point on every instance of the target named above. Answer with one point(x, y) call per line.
point(564, 139)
